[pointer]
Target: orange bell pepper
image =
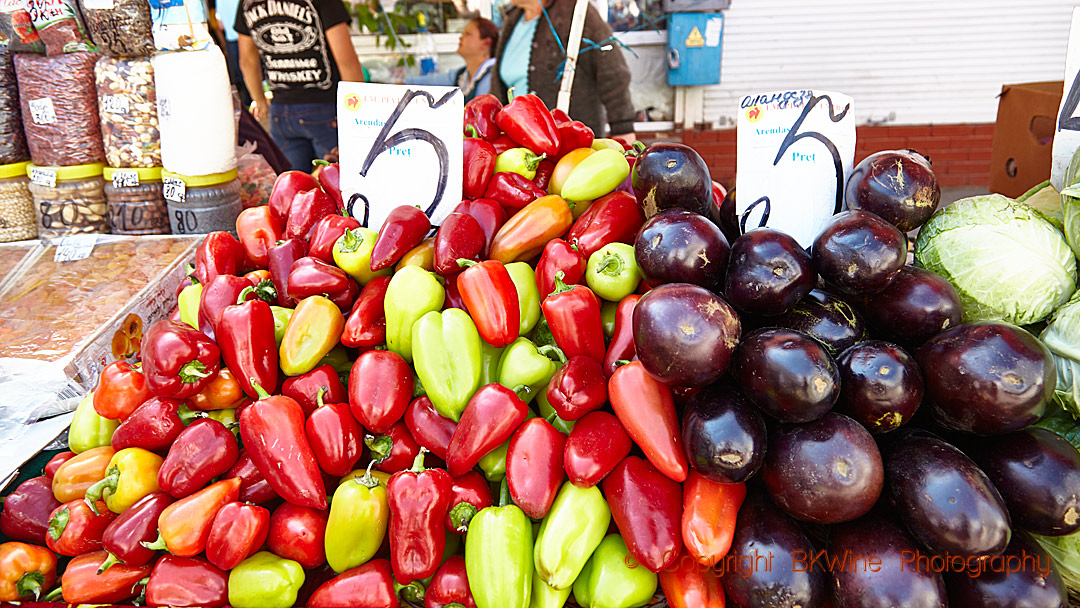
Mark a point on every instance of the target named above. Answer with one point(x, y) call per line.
point(688, 584)
point(184, 526)
point(76, 475)
point(258, 276)
point(710, 509)
point(222, 393)
point(25, 571)
point(423, 255)
point(524, 235)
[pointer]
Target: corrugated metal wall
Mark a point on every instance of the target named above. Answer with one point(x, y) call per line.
point(913, 62)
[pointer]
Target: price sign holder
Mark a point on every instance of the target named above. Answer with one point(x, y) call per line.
point(399, 145)
point(74, 247)
point(1067, 134)
point(795, 151)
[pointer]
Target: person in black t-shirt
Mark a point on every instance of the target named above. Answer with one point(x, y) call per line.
point(305, 49)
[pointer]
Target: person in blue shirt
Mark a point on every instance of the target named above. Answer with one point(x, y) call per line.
point(476, 45)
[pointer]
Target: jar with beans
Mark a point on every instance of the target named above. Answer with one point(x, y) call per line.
point(17, 222)
point(68, 200)
point(127, 104)
point(136, 202)
point(204, 203)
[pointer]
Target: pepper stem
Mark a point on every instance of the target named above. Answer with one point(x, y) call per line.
point(157, 545)
point(638, 148)
point(243, 297)
point(109, 563)
point(453, 605)
point(461, 515)
point(54, 595)
point(59, 522)
point(368, 480)
point(504, 493)
point(412, 593)
point(418, 462)
point(266, 291)
point(471, 131)
point(30, 584)
point(622, 362)
point(522, 391)
point(532, 161)
point(318, 396)
point(188, 415)
point(318, 162)
point(260, 391)
point(351, 241)
point(611, 264)
point(380, 446)
point(466, 263)
point(549, 349)
point(95, 492)
point(560, 287)
point(192, 372)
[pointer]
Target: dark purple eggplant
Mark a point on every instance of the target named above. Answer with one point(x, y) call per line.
point(725, 217)
point(1037, 472)
point(897, 185)
point(767, 273)
point(723, 434)
point(677, 246)
point(943, 498)
point(826, 318)
point(880, 385)
point(1023, 577)
point(769, 561)
point(826, 471)
point(987, 378)
point(668, 176)
point(874, 567)
point(915, 307)
point(789, 375)
point(685, 334)
point(859, 253)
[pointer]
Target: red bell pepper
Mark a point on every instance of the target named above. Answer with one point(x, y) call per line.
point(459, 237)
point(306, 210)
point(622, 346)
point(513, 191)
point(245, 333)
point(380, 388)
point(573, 315)
point(330, 179)
point(326, 232)
point(560, 256)
point(81, 583)
point(612, 218)
point(577, 388)
point(287, 186)
point(544, 171)
point(690, 585)
point(491, 299)
point(468, 495)
point(710, 509)
point(596, 444)
point(253, 485)
point(305, 388)
point(394, 451)
point(502, 143)
point(492, 415)
point(528, 121)
point(646, 409)
point(368, 586)
point(311, 276)
point(219, 253)
point(258, 231)
point(155, 425)
point(405, 227)
point(28, 509)
point(273, 432)
point(200, 453)
point(647, 508)
point(187, 581)
point(366, 325)
point(299, 534)
point(184, 526)
point(429, 428)
point(75, 529)
point(479, 165)
point(573, 134)
point(121, 390)
point(334, 436)
point(534, 466)
point(124, 537)
point(280, 260)
point(56, 462)
point(224, 290)
point(449, 588)
point(178, 360)
point(238, 532)
point(480, 114)
point(418, 499)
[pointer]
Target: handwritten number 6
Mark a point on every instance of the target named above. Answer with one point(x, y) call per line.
point(794, 136)
point(1066, 121)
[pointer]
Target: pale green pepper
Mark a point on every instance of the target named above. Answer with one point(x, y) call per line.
point(544, 596)
point(518, 160)
point(226, 417)
point(90, 429)
point(490, 356)
point(613, 579)
point(498, 556)
point(523, 364)
point(265, 580)
point(355, 529)
point(612, 272)
point(412, 293)
point(188, 303)
point(528, 295)
point(596, 175)
point(281, 321)
point(447, 354)
point(571, 531)
point(352, 253)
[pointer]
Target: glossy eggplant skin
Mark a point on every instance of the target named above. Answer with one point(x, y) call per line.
point(787, 374)
point(670, 175)
point(880, 385)
point(825, 471)
point(1024, 576)
point(915, 307)
point(763, 566)
point(1037, 472)
point(678, 246)
point(881, 570)
point(943, 498)
point(826, 318)
point(897, 185)
point(725, 217)
point(767, 273)
point(859, 253)
point(724, 435)
point(987, 378)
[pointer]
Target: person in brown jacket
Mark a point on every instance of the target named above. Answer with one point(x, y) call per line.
point(528, 58)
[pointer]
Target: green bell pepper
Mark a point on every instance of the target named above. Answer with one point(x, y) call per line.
point(359, 513)
point(518, 160)
point(528, 295)
point(571, 531)
point(188, 303)
point(88, 428)
point(612, 272)
point(226, 417)
point(607, 317)
point(596, 175)
point(613, 579)
point(490, 357)
point(548, 413)
point(544, 596)
point(498, 555)
point(352, 253)
point(447, 354)
point(265, 580)
point(541, 335)
point(281, 320)
point(523, 364)
point(493, 464)
point(413, 292)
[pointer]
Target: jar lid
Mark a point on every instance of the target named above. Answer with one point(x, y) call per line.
point(201, 181)
point(73, 172)
point(146, 174)
point(13, 170)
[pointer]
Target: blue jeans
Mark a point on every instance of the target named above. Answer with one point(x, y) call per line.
point(305, 131)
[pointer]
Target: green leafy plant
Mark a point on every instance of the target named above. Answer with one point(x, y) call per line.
point(376, 21)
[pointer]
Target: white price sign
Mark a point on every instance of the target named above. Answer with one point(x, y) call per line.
point(42, 111)
point(115, 104)
point(1067, 137)
point(125, 179)
point(43, 176)
point(795, 151)
point(399, 145)
point(75, 247)
point(173, 189)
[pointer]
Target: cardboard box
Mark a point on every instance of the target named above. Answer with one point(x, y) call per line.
point(1023, 136)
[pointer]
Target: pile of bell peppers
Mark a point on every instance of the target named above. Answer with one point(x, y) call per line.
point(339, 416)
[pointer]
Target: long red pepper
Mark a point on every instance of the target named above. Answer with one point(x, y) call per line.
point(710, 510)
point(534, 466)
point(366, 325)
point(404, 228)
point(306, 209)
point(688, 584)
point(492, 415)
point(245, 333)
point(368, 586)
point(138, 524)
point(491, 299)
point(560, 256)
point(513, 191)
point(254, 488)
point(429, 428)
point(280, 258)
point(74, 528)
point(200, 453)
point(596, 444)
point(528, 121)
point(479, 166)
point(81, 583)
point(305, 388)
point(480, 114)
point(612, 218)
point(326, 232)
point(258, 231)
point(577, 388)
point(219, 253)
point(184, 526)
point(460, 236)
point(418, 499)
point(178, 360)
point(187, 581)
point(334, 436)
point(573, 314)
point(380, 388)
point(646, 409)
point(154, 425)
point(238, 531)
point(394, 450)
point(449, 588)
point(469, 494)
point(488, 213)
point(647, 508)
point(622, 346)
point(287, 186)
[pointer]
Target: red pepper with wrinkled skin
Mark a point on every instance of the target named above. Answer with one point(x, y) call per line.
point(622, 346)
point(405, 227)
point(305, 388)
point(287, 186)
point(612, 218)
point(75, 529)
point(330, 179)
point(200, 453)
point(577, 388)
point(124, 537)
point(596, 444)
point(401, 445)
point(219, 253)
point(299, 534)
point(429, 428)
point(326, 233)
point(380, 388)
point(491, 299)
point(28, 509)
point(258, 231)
point(544, 171)
point(646, 409)
point(480, 115)
point(368, 586)
point(449, 588)
point(453, 295)
point(334, 436)
point(502, 143)
point(418, 499)
point(280, 259)
point(468, 495)
point(513, 191)
point(366, 325)
point(238, 532)
point(690, 585)
point(306, 209)
point(311, 276)
point(187, 581)
point(534, 466)
point(492, 415)
point(245, 334)
point(528, 121)
point(178, 360)
point(254, 488)
point(647, 508)
point(560, 256)
point(121, 390)
point(155, 425)
point(459, 237)
point(272, 429)
point(709, 516)
point(55, 463)
point(224, 290)
point(573, 315)
point(82, 584)
point(573, 134)
point(479, 166)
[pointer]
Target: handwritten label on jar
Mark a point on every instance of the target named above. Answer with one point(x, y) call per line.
point(125, 179)
point(42, 111)
point(174, 189)
point(75, 247)
point(163, 109)
point(114, 104)
point(43, 176)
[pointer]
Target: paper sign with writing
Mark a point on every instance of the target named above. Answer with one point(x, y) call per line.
point(1067, 137)
point(43, 176)
point(75, 247)
point(173, 189)
point(125, 178)
point(399, 145)
point(42, 111)
point(795, 151)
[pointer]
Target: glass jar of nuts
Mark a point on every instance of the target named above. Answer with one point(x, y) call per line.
point(17, 222)
point(68, 200)
point(136, 202)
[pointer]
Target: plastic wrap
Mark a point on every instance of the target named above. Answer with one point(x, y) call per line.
point(60, 25)
point(71, 207)
point(17, 220)
point(121, 28)
point(128, 106)
point(59, 100)
point(12, 141)
point(195, 112)
point(17, 33)
point(256, 176)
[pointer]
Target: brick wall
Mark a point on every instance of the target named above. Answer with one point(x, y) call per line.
point(960, 153)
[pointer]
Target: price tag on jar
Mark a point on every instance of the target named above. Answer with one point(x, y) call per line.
point(75, 247)
point(174, 189)
point(43, 176)
point(42, 111)
point(125, 179)
point(115, 104)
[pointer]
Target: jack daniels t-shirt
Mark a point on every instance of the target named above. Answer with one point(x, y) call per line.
point(291, 38)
